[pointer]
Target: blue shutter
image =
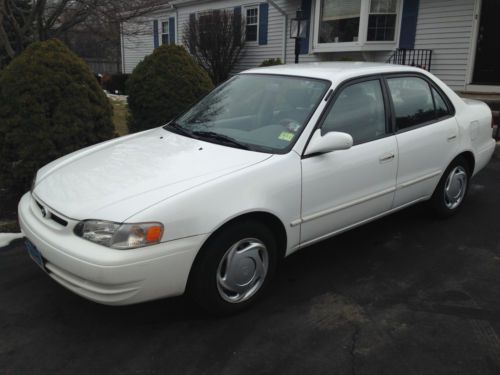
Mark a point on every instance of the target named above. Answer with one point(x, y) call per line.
point(306, 6)
point(263, 21)
point(156, 42)
point(192, 20)
point(171, 30)
point(408, 24)
point(237, 22)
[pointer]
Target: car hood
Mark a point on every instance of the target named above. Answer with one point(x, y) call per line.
point(116, 179)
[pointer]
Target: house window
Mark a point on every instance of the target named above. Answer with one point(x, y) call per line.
point(382, 20)
point(339, 21)
point(252, 24)
point(356, 25)
point(164, 33)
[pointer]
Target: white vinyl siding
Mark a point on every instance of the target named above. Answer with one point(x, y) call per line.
point(138, 39)
point(446, 27)
point(137, 46)
point(253, 54)
point(137, 42)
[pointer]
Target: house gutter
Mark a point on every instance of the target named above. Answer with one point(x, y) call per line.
point(285, 26)
point(181, 3)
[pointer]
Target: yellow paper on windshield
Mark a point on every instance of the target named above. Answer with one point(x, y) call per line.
point(286, 136)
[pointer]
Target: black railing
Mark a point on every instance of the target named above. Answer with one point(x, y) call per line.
point(421, 58)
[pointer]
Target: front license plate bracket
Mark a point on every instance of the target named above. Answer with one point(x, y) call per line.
point(35, 254)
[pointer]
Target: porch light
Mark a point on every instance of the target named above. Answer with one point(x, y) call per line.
point(298, 31)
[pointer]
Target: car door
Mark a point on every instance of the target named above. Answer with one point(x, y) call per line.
point(427, 135)
point(343, 188)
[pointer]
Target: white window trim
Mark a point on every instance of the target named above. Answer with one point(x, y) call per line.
point(244, 15)
point(362, 44)
point(162, 33)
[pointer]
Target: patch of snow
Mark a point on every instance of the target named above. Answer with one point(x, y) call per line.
point(121, 98)
point(7, 238)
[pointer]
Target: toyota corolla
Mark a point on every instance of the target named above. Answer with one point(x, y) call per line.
point(271, 161)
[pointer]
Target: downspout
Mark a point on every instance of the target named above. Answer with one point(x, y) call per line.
point(285, 28)
point(122, 48)
point(177, 30)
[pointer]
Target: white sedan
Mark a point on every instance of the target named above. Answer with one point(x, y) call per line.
point(271, 161)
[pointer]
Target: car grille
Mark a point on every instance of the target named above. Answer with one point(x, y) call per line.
point(51, 215)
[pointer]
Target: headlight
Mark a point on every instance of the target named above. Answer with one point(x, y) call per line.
point(120, 236)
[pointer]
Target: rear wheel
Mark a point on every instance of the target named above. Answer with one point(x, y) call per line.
point(452, 188)
point(233, 268)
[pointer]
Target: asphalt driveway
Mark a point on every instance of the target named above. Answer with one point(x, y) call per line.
point(407, 294)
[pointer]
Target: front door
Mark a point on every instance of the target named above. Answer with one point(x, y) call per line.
point(343, 188)
point(487, 66)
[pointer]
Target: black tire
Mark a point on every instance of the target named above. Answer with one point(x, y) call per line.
point(204, 287)
point(440, 202)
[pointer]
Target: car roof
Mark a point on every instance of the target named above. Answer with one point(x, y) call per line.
point(333, 71)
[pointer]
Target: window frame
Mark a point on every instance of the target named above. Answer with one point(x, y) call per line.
point(167, 33)
point(362, 44)
point(350, 82)
point(245, 9)
point(391, 128)
point(432, 85)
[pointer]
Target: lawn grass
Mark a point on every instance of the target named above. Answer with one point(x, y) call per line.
point(120, 112)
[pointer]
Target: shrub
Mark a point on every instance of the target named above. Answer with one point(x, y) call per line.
point(271, 62)
point(164, 85)
point(50, 105)
point(216, 41)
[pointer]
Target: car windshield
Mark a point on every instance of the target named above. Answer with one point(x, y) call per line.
point(254, 111)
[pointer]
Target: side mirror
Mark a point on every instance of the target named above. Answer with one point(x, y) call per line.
point(331, 141)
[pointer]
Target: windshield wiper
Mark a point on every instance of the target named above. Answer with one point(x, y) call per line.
point(220, 137)
point(179, 129)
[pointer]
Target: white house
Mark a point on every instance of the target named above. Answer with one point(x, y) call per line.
point(456, 38)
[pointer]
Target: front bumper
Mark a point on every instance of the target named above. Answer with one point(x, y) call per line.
point(108, 276)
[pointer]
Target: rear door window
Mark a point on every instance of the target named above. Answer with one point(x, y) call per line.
point(412, 100)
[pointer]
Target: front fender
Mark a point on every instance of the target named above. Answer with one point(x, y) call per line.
point(272, 186)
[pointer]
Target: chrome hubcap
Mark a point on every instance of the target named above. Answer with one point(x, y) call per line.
point(455, 187)
point(242, 270)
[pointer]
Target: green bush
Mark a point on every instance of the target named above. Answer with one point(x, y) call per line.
point(50, 105)
point(164, 85)
point(271, 62)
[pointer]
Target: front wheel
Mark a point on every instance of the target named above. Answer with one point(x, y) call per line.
point(452, 188)
point(233, 268)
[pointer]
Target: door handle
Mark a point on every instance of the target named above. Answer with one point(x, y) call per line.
point(452, 137)
point(386, 157)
